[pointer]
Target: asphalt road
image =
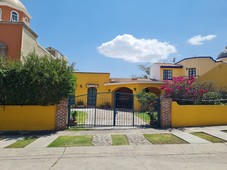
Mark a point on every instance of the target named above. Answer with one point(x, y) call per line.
point(144, 157)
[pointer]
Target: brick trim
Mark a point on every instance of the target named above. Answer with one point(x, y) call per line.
point(165, 111)
point(61, 115)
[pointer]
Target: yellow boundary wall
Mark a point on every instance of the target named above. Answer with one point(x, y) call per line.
point(27, 118)
point(198, 115)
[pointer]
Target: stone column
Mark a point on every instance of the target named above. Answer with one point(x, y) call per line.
point(165, 111)
point(62, 115)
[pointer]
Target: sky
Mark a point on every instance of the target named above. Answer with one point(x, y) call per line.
point(114, 36)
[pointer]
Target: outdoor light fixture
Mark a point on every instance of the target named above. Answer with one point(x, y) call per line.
point(81, 86)
point(109, 90)
point(134, 89)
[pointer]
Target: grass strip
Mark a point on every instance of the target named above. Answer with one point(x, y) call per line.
point(208, 137)
point(77, 129)
point(72, 141)
point(80, 116)
point(144, 116)
point(22, 142)
point(164, 139)
point(119, 140)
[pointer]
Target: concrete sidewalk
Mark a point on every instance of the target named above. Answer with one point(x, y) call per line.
point(102, 137)
point(140, 154)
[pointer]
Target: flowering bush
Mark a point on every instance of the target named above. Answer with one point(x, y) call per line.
point(185, 88)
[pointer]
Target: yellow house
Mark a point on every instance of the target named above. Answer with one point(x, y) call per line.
point(202, 68)
point(98, 89)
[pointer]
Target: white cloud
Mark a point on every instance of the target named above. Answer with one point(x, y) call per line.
point(131, 49)
point(199, 40)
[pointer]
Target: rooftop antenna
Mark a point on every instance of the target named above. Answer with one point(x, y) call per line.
point(174, 60)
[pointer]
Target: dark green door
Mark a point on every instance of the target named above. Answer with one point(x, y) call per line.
point(92, 95)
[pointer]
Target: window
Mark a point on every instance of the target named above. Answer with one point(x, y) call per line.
point(192, 72)
point(167, 74)
point(3, 50)
point(26, 20)
point(14, 16)
point(0, 14)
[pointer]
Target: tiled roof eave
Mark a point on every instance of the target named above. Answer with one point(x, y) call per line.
point(122, 83)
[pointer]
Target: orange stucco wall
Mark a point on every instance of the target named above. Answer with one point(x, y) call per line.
point(6, 12)
point(12, 38)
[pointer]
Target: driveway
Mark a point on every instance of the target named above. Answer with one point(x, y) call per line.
point(105, 117)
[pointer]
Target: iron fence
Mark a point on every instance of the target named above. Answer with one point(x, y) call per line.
point(110, 109)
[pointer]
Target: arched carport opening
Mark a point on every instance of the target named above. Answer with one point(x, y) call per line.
point(153, 90)
point(124, 98)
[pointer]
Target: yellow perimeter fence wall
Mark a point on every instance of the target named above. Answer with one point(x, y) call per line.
point(27, 118)
point(198, 115)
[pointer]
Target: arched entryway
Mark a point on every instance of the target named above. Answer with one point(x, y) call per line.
point(153, 90)
point(91, 96)
point(124, 98)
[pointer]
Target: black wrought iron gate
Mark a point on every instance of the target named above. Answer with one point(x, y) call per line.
point(110, 109)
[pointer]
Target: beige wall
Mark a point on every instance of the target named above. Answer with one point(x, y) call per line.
point(216, 75)
point(29, 44)
point(202, 65)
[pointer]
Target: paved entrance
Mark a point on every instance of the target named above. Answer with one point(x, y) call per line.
point(104, 117)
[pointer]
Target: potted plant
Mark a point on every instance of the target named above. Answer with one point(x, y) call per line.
point(73, 120)
point(153, 119)
point(80, 103)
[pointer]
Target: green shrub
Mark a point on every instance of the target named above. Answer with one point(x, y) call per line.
point(74, 114)
point(35, 81)
point(105, 105)
point(148, 103)
point(80, 102)
point(214, 98)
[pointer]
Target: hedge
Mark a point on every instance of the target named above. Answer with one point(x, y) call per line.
point(35, 81)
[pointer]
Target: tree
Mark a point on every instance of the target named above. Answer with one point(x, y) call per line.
point(35, 81)
point(145, 68)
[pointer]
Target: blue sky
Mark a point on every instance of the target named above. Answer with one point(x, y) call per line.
point(115, 35)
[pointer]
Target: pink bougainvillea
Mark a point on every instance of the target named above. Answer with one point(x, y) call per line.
point(184, 88)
